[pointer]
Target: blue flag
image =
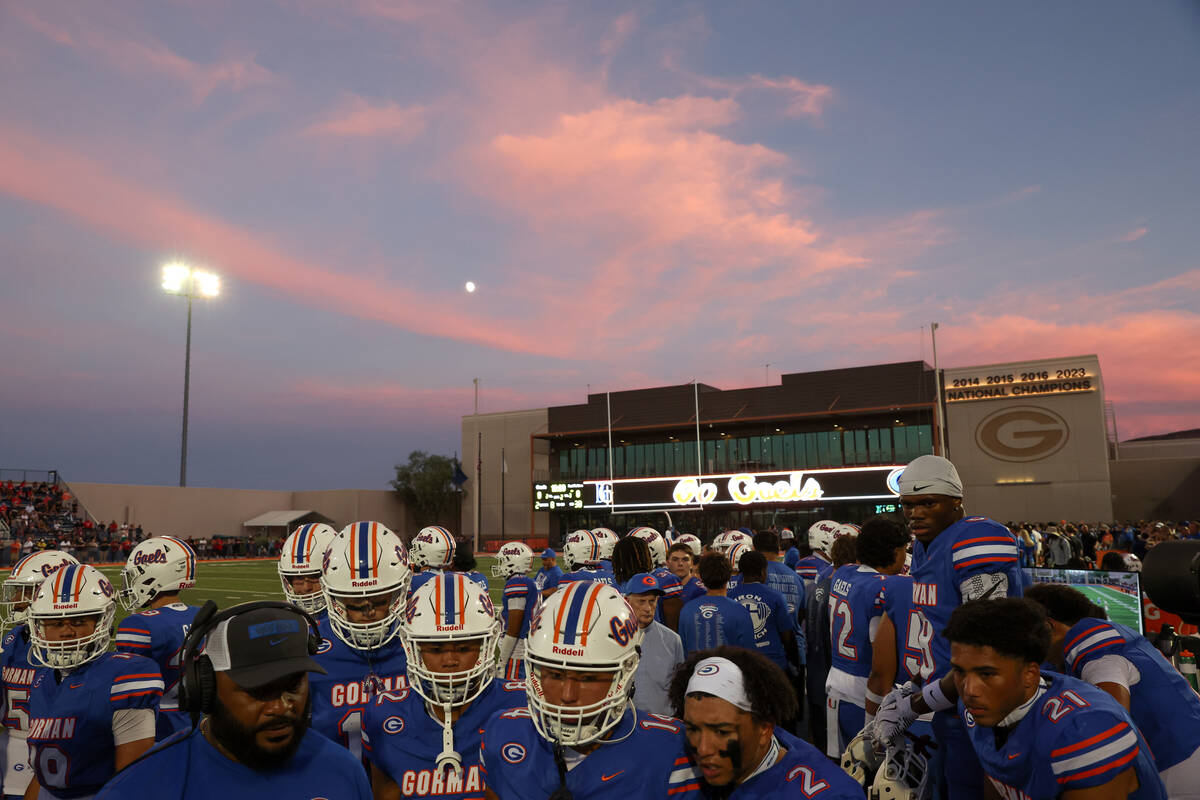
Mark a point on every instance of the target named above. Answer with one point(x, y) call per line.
point(459, 478)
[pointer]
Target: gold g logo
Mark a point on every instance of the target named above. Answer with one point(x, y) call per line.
point(1023, 433)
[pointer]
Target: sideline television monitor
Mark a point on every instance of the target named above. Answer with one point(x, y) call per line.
point(1118, 593)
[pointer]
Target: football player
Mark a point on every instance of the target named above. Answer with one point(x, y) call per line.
point(1123, 663)
point(520, 600)
point(608, 540)
point(774, 626)
point(581, 554)
point(19, 590)
point(365, 578)
point(681, 561)
point(731, 702)
point(955, 559)
point(425, 739)
point(430, 552)
point(579, 735)
point(1040, 735)
point(91, 713)
point(300, 567)
point(723, 542)
point(855, 606)
point(156, 571)
point(816, 565)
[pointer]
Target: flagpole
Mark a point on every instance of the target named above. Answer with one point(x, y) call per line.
point(608, 403)
point(503, 469)
point(699, 453)
point(478, 480)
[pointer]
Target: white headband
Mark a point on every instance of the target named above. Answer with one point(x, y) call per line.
point(721, 678)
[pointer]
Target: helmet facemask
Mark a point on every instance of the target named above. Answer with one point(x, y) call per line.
point(72, 592)
point(365, 635)
point(575, 725)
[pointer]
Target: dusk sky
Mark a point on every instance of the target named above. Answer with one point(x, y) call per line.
point(645, 193)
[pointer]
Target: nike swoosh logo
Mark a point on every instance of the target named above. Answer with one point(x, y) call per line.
point(1014, 755)
point(921, 488)
point(76, 685)
point(610, 777)
point(274, 642)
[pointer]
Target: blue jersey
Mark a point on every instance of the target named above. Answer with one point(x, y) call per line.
point(71, 742)
point(402, 740)
point(855, 604)
point(914, 633)
point(520, 591)
point(1073, 737)
point(188, 767)
point(643, 760)
point(709, 622)
point(420, 578)
point(803, 771)
point(606, 565)
point(691, 590)
point(1161, 702)
point(158, 634)
point(671, 590)
point(791, 559)
point(769, 614)
point(585, 574)
point(18, 681)
point(547, 578)
point(969, 548)
point(812, 569)
point(479, 578)
point(341, 696)
point(785, 581)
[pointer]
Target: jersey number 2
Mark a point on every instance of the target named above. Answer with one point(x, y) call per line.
point(842, 613)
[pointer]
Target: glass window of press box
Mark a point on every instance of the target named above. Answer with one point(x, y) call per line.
point(766, 453)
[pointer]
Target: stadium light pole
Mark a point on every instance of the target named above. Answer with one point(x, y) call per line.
point(180, 279)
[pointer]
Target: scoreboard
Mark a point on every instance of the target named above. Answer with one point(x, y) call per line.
point(557, 496)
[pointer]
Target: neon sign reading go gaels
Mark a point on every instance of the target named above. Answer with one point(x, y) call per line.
point(744, 488)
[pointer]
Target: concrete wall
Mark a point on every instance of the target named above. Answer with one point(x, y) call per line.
point(1156, 488)
point(527, 459)
point(1032, 456)
point(196, 512)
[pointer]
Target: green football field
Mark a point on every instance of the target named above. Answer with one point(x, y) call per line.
point(231, 582)
point(1122, 608)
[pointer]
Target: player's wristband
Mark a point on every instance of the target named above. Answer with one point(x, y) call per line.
point(935, 698)
point(877, 699)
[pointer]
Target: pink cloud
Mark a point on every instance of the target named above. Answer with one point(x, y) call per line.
point(361, 119)
point(804, 99)
point(36, 171)
point(147, 56)
point(1132, 236)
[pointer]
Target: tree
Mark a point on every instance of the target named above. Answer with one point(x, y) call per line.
point(426, 486)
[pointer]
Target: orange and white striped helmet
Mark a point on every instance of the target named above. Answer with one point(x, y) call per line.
point(303, 552)
point(432, 547)
point(159, 564)
point(365, 571)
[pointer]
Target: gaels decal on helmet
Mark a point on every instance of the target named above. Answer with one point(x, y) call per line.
point(22, 583)
point(514, 558)
point(160, 564)
point(432, 547)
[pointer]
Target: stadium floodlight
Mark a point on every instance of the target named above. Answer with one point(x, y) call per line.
point(180, 279)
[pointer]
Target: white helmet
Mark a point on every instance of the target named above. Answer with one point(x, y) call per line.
point(1132, 562)
point(727, 539)
point(302, 554)
point(590, 628)
point(159, 564)
point(514, 558)
point(821, 535)
point(847, 529)
point(365, 560)
point(905, 774)
point(655, 541)
point(608, 541)
point(861, 760)
point(433, 546)
point(581, 549)
point(76, 590)
point(692, 542)
point(22, 583)
point(450, 608)
point(735, 555)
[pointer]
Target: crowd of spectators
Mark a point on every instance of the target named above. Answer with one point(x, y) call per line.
point(1096, 546)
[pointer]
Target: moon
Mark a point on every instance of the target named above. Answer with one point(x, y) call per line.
point(470, 287)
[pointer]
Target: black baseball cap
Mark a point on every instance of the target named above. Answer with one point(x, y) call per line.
point(261, 646)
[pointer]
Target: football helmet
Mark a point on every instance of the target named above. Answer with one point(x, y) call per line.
point(821, 535)
point(159, 564)
point(1132, 562)
point(581, 549)
point(22, 583)
point(847, 529)
point(904, 775)
point(514, 558)
point(587, 627)
point(432, 547)
point(692, 541)
point(862, 760)
point(71, 592)
point(735, 555)
point(727, 539)
point(365, 560)
point(655, 541)
point(302, 554)
point(608, 540)
point(450, 609)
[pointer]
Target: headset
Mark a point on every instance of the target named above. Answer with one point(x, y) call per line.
point(198, 681)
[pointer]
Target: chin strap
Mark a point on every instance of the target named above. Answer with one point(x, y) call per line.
point(449, 758)
point(560, 761)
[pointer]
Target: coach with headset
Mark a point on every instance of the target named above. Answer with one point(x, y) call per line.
point(248, 689)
